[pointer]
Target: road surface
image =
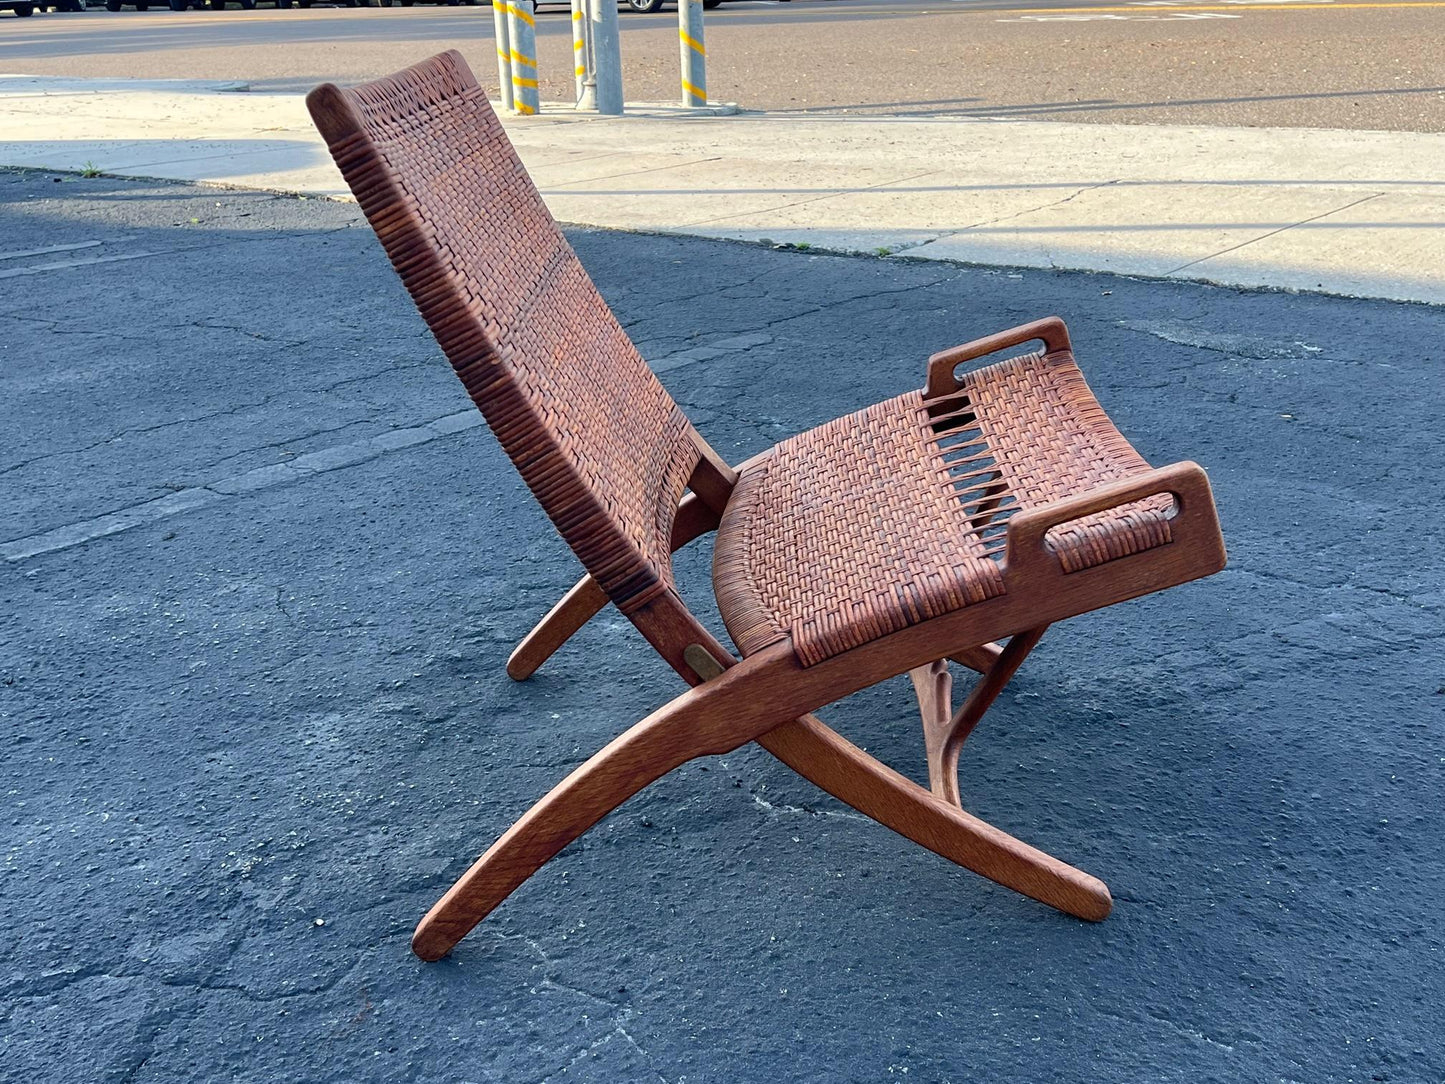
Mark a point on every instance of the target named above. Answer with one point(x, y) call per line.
point(1308, 64)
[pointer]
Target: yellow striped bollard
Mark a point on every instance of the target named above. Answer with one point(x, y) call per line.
point(522, 29)
point(504, 52)
point(581, 56)
point(694, 55)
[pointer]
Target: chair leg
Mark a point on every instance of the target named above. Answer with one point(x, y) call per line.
point(944, 730)
point(577, 607)
point(978, 659)
point(581, 604)
point(934, 685)
point(876, 790)
point(712, 718)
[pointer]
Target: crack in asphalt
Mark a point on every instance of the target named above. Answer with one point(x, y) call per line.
point(232, 411)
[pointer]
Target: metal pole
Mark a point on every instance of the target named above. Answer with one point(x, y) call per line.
point(588, 98)
point(523, 32)
point(582, 57)
point(694, 55)
point(607, 56)
point(504, 52)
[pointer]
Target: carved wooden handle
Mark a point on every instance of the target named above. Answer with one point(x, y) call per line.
point(941, 365)
point(1026, 554)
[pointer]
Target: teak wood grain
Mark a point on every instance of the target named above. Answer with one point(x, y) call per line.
point(952, 523)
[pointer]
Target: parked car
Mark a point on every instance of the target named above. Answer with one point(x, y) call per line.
point(649, 6)
point(20, 7)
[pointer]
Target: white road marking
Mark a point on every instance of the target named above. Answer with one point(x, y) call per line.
point(1172, 17)
point(48, 250)
point(251, 481)
point(1239, 3)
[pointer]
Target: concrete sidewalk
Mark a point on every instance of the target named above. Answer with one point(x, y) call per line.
point(1353, 213)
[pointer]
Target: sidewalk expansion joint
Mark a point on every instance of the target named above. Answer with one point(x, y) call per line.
point(1041, 207)
point(830, 194)
point(632, 172)
point(899, 249)
point(1271, 233)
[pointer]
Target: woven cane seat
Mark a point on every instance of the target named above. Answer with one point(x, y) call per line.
point(896, 514)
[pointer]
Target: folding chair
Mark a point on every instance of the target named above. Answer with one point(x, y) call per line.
point(890, 541)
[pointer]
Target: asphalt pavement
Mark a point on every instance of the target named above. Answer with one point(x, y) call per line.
point(250, 736)
point(1359, 64)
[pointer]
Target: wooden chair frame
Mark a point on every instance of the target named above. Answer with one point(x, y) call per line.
point(769, 697)
point(1088, 523)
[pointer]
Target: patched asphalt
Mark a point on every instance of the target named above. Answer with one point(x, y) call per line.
point(248, 742)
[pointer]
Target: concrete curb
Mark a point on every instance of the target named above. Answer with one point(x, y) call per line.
point(1352, 213)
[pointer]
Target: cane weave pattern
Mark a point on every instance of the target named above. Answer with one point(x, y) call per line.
point(837, 537)
point(897, 514)
point(594, 434)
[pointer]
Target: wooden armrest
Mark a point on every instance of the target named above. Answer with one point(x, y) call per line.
point(941, 365)
point(1026, 553)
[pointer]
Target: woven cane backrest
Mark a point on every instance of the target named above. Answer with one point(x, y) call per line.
point(596, 437)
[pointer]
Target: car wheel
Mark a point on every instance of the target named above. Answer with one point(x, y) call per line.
point(178, 5)
point(112, 5)
point(647, 7)
point(24, 9)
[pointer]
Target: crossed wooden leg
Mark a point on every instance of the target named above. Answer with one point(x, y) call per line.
point(577, 607)
point(944, 730)
point(829, 760)
point(726, 711)
point(586, 599)
point(717, 716)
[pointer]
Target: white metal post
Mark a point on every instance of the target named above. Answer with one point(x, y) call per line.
point(523, 31)
point(504, 51)
point(606, 56)
point(694, 55)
